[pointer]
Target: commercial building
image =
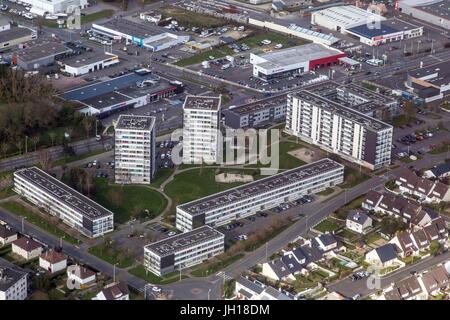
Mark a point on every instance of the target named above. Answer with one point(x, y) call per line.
point(42, 7)
point(88, 62)
point(341, 18)
point(147, 36)
point(339, 129)
point(13, 283)
point(12, 36)
point(385, 32)
point(257, 113)
point(236, 203)
point(57, 199)
point(183, 250)
point(295, 60)
point(201, 135)
point(40, 55)
point(430, 83)
point(134, 151)
point(132, 90)
point(432, 11)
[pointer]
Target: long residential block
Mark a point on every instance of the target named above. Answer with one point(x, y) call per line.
point(236, 203)
point(58, 199)
point(339, 129)
point(183, 250)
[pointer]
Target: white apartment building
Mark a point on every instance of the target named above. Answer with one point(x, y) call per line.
point(201, 136)
point(58, 199)
point(183, 250)
point(339, 129)
point(135, 149)
point(13, 284)
point(236, 203)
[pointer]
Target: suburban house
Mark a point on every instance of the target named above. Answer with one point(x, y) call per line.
point(384, 256)
point(437, 230)
point(409, 211)
point(81, 275)
point(427, 191)
point(358, 222)
point(27, 248)
point(13, 283)
point(435, 281)
point(406, 289)
point(246, 289)
point(7, 234)
point(411, 243)
point(114, 291)
point(53, 261)
point(438, 172)
point(296, 261)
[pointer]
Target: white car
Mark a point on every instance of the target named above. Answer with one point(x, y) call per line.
point(278, 46)
point(171, 233)
point(156, 289)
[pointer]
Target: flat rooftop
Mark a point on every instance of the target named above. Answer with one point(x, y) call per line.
point(295, 55)
point(64, 193)
point(131, 28)
point(184, 240)
point(347, 15)
point(436, 8)
point(41, 51)
point(258, 105)
point(9, 275)
point(202, 103)
point(132, 122)
point(105, 100)
point(252, 189)
point(368, 95)
point(14, 33)
point(387, 27)
point(346, 112)
point(87, 58)
point(441, 69)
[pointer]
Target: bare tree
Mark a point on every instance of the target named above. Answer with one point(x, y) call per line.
point(19, 145)
point(52, 136)
point(35, 139)
point(87, 124)
point(45, 159)
point(4, 146)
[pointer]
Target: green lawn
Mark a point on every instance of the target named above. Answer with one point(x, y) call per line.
point(21, 210)
point(195, 184)
point(130, 200)
point(326, 226)
point(161, 175)
point(192, 19)
point(402, 120)
point(7, 192)
point(218, 52)
point(77, 157)
point(103, 14)
point(372, 237)
point(208, 269)
point(150, 277)
point(266, 238)
point(112, 255)
point(286, 161)
point(326, 192)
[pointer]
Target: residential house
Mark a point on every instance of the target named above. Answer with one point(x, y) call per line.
point(427, 191)
point(435, 281)
point(326, 242)
point(438, 172)
point(437, 230)
point(406, 289)
point(405, 244)
point(383, 256)
point(81, 275)
point(13, 283)
point(358, 222)
point(53, 261)
point(27, 248)
point(7, 234)
point(114, 291)
point(247, 289)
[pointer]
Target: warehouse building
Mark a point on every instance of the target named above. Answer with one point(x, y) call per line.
point(134, 152)
point(257, 113)
point(88, 62)
point(436, 12)
point(201, 135)
point(430, 83)
point(183, 250)
point(57, 199)
point(132, 90)
point(12, 36)
point(40, 55)
point(147, 36)
point(341, 18)
point(387, 31)
point(242, 201)
point(42, 7)
point(295, 60)
point(339, 129)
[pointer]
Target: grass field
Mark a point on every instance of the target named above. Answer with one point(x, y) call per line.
point(141, 272)
point(111, 255)
point(161, 175)
point(131, 200)
point(209, 269)
point(326, 226)
point(21, 210)
point(286, 161)
point(107, 13)
point(326, 192)
point(77, 157)
point(192, 19)
point(353, 177)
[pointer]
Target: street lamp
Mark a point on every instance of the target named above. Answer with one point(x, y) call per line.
point(114, 272)
point(209, 291)
point(23, 225)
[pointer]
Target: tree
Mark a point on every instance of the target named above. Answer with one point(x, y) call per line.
point(35, 139)
point(87, 124)
point(45, 159)
point(4, 146)
point(19, 145)
point(435, 247)
point(410, 110)
point(52, 136)
point(391, 225)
